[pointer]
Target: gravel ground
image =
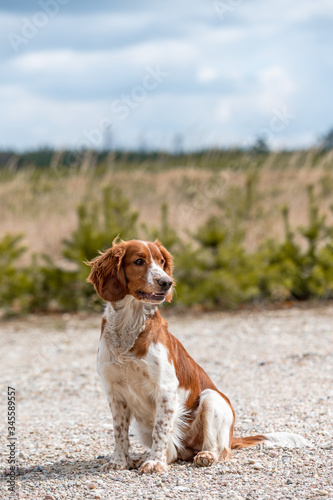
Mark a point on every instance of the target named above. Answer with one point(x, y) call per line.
point(276, 366)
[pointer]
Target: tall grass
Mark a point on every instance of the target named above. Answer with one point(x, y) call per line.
point(41, 203)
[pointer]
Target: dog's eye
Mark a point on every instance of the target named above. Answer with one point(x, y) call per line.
point(162, 262)
point(139, 262)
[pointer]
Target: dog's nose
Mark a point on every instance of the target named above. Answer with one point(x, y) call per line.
point(164, 283)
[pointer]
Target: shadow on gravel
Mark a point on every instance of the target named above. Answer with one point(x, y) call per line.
point(63, 468)
point(70, 468)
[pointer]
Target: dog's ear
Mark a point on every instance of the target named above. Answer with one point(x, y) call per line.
point(107, 274)
point(167, 266)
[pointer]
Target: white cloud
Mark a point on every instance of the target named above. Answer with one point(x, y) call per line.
point(275, 86)
point(33, 120)
point(206, 74)
point(224, 110)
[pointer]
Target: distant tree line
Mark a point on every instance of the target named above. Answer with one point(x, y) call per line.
point(43, 157)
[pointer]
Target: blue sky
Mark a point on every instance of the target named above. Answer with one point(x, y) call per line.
point(217, 73)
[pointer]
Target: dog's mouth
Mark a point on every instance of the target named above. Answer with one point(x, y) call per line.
point(151, 297)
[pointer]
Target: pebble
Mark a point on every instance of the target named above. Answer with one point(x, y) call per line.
point(92, 486)
point(327, 446)
point(257, 466)
point(181, 488)
point(96, 494)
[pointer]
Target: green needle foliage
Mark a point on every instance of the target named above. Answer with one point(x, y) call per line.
point(99, 224)
point(165, 234)
point(213, 269)
point(300, 271)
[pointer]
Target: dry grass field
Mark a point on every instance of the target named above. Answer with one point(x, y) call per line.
point(42, 204)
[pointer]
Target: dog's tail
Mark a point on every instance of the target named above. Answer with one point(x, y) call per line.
point(283, 439)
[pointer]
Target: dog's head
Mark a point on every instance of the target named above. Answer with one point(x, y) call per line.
point(138, 268)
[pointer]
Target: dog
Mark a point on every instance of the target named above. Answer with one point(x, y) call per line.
point(148, 376)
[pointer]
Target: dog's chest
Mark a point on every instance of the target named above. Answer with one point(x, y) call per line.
point(137, 381)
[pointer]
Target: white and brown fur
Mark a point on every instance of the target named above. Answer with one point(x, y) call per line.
point(148, 376)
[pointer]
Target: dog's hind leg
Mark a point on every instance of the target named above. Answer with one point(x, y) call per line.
point(213, 423)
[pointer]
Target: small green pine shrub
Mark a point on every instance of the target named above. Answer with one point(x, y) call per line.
point(240, 203)
point(14, 282)
point(216, 272)
point(212, 268)
point(300, 271)
point(165, 234)
point(43, 285)
point(55, 288)
point(35, 287)
point(99, 224)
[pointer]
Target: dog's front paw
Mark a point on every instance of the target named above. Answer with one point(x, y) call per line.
point(151, 466)
point(115, 463)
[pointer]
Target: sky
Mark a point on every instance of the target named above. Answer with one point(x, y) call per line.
point(160, 75)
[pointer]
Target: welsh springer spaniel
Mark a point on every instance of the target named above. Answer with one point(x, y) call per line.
point(147, 374)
